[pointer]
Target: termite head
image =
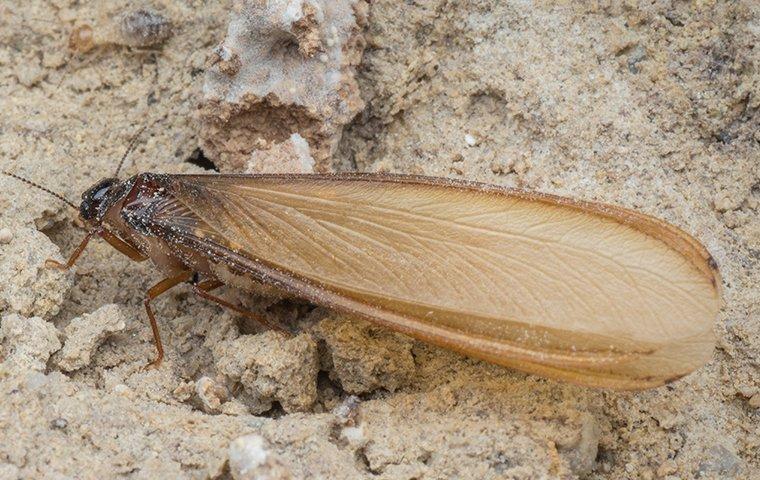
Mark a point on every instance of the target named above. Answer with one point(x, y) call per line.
point(98, 199)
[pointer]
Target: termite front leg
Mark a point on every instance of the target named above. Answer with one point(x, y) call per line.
point(109, 237)
point(50, 263)
point(154, 292)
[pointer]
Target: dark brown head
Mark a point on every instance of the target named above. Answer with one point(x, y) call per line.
point(98, 199)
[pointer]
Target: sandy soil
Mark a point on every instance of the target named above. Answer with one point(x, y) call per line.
point(651, 106)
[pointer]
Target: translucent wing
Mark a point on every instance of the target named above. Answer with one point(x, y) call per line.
point(583, 292)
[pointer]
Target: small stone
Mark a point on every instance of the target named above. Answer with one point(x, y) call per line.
point(754, 402)
point(210, 394)
point(6, 235)
point(250, 459)
point(347, 410)
point(59, 424)
point(470, 140)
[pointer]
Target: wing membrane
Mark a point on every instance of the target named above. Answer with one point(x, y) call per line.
point(584, 292)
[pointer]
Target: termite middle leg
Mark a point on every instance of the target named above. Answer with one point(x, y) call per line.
point(154, 292)
point(202, 289)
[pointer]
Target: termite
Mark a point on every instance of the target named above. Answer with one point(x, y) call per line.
point(140, 28)
point(582, 292)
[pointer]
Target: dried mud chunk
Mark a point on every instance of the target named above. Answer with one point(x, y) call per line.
point(290, 156)
point(27, 286)
point(364, 357)
point(26, 344)
point(271, 367)
point(285, 67)
point(85, 334)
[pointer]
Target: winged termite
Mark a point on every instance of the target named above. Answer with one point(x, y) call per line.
point(577, 291)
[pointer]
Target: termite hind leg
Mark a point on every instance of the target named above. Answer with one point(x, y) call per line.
point(154, 292)
point(202, 290)
point(208, 285)
point(50, 263)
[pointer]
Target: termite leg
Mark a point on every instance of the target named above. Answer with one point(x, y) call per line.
point(153, 292)
point(50, 263)
point(123, 246)
point(208, 285)
point(202, 289)
point(109, 237)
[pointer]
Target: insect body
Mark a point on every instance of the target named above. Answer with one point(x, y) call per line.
point(582, 292)
point(138, 28)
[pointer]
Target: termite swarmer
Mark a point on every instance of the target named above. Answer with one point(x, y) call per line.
point(578, 291)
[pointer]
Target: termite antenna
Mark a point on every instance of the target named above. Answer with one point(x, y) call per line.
point(46, 190)
point(130, 148)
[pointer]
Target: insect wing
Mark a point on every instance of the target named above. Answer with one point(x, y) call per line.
point(583, 292)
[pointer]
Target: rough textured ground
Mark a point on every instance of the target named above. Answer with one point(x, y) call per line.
point(651, 106)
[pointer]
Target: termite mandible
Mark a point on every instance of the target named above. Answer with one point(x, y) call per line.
point(577, 291)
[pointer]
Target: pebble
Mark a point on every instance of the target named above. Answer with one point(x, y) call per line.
point(59, 423)
point(247, 453)
point(210, 394)
point(250, 459)
point(6, 235)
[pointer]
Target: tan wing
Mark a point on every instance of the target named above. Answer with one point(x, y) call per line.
point(583, 292)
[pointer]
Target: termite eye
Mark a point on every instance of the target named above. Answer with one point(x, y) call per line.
point(94, 199)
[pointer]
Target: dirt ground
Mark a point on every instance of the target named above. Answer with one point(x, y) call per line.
point(651, 105)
